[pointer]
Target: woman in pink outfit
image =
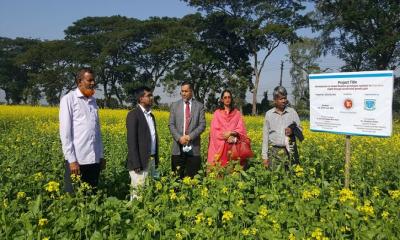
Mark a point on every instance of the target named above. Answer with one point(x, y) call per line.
point(227, 127)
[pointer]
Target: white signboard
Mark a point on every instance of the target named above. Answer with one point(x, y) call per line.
point(352, 103)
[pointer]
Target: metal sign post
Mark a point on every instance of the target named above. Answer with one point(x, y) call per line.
point(347, 163)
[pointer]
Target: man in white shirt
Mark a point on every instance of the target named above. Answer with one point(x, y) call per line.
point(142, 140)
point(80, 132)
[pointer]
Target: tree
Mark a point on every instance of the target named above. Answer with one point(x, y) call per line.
point(13, 78)
point(364, 34)
point(155, 51)
point(263, 26)
point(303, 55)
point(51, 67)
point(396, 96)
point(104, 42)
point(211, 56)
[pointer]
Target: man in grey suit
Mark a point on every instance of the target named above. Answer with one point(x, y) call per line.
point(186, 123)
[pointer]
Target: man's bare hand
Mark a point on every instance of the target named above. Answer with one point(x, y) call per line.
point(74, 168)
point(288, 131)
point(184, 140)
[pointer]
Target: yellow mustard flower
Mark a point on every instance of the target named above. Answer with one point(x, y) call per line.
point(366, 209)
point(182, 197)
point(276, 226)
point(298, 170)
point(75, 178)
point(38, 176)
point(394, 194)
point(246, 232)
point(186, 181)
point(317, 234)
point(385, 215)
point(21, 195)
point(263, 211)
point(85, 186)
point(158, 186)
point(52, 186)
point(209, 221)
point(199, 218)
point(241, 185)
point(311, 194)
point(43, 222)
point(172, 195)
point(346, 195)
point(178, 236)
point(204, 192)
point(150, 227)
point(240, 203)
point(345, 229)
point(375, 192)
point(227, 216)
point(291, 236)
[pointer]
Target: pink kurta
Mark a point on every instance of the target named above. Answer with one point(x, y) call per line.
point(218, 147)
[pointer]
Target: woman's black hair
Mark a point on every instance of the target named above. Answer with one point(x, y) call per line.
point(221, 103)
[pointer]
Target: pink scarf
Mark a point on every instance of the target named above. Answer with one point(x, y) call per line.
point(222, 122)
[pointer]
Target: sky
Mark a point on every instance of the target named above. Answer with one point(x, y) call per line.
point(47, 19)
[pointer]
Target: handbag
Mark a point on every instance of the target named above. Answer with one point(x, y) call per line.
point(241, 150)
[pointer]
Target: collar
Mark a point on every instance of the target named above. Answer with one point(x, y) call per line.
point(144, 110)
point(190, 101)
point(284, 110)
point(79, 94)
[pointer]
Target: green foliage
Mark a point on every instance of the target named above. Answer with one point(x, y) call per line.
point(261, 26)
point(364, 34)
point(303, 55)
point(13, 77)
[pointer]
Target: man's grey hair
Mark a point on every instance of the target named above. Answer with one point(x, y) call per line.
point(279, 90)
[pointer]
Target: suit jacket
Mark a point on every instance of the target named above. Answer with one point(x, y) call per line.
point(139, 140)
point(197, 125)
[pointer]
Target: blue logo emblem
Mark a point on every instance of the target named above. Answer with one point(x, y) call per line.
point(369, 104)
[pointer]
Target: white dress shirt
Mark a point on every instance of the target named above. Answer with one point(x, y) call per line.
point(80, 129)
point(152, 128)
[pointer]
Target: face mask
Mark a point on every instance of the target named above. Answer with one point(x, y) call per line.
point(87, 92)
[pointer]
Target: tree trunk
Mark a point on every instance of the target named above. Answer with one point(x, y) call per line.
point(106, 100)
point(121, 103)
point(255, 90)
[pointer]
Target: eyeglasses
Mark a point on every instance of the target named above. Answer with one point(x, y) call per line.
point(227, 97)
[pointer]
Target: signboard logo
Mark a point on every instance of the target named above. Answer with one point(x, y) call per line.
point(348, 103)
point(369, 104)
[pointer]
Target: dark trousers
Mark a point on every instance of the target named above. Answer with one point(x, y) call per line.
point(89, 174)
point(185, 165)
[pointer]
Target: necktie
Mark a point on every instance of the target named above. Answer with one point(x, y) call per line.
point(187, 117)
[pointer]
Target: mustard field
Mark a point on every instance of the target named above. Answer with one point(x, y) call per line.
point(306, 202)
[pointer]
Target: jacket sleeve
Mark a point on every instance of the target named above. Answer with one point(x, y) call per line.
point(132, 141)
point(172, 123)
point(201, 126)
